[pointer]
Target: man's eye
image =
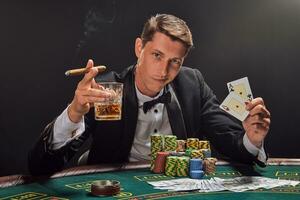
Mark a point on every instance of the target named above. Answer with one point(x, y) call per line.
point(156, 55)
point(176, 62)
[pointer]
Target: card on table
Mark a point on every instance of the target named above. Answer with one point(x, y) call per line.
point(241, 87)
point(235, 105)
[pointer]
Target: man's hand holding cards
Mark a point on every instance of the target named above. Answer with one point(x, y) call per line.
point(252, 112)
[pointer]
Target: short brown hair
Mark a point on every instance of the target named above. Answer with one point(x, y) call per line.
point(169, 25)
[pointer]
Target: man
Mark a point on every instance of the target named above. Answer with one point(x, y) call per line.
point(192, 109)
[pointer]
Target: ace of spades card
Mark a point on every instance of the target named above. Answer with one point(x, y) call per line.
point(241, 87)
point(235, 105)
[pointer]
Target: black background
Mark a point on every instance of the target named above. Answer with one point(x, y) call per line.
point(41, 40)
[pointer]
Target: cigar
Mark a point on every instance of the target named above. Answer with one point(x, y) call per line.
point(76, 72)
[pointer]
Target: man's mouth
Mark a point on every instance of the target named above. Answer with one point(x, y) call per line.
point(161, 79)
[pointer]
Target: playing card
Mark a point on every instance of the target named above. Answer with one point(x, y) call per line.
point(235, 105)
point(241, 87)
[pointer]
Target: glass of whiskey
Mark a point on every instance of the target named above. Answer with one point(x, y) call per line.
point(110, 108)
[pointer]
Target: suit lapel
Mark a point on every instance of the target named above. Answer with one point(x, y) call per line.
point(130, 113)
point(175, 115)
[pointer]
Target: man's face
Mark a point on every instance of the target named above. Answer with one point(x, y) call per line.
point(159, 62)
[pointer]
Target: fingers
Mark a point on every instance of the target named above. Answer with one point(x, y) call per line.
point(266, 123)
point(110, 93)
point(260, 110)
point(89, 64)
point(96, 93)
point(96, 85)
point(257, 107)
point(258, 120)
point(91, 100)
point(259, 116)
point(257, 101)
point(91, 95)
point(89, 77)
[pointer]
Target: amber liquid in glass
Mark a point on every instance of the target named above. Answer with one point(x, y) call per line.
point(108, 111)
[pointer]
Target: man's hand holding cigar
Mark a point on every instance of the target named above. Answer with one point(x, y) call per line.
point(87, 93)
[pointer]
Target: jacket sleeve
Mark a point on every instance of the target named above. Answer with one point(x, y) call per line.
point(44, 161)
point(224, 131)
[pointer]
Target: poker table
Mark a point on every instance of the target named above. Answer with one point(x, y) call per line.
point(75, 183)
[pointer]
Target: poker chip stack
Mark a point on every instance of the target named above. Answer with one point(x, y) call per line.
point(182, 167)
point(160, 162)
point(204, 144)
point(192, 143)
point(156, 146)
point(209, 165)
point(170, 143)
point(197, 153)
point(196, 166)
point(180, 146)
point(181, 158)
point(171, 166)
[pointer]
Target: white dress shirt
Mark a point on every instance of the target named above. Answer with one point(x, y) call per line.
point(154, 121)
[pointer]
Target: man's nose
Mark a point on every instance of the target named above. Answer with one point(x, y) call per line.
point(164, 69)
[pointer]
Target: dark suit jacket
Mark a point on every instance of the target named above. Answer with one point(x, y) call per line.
point(193, 112)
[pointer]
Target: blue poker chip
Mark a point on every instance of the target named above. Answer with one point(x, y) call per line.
point(196, 164)
point(196, 174)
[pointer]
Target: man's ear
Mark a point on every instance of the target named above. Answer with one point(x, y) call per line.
point(138, 47)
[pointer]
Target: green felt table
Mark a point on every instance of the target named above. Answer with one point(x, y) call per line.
point(134, 184)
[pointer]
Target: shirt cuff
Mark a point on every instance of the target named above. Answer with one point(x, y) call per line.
point(65, 130)
point(251, 148)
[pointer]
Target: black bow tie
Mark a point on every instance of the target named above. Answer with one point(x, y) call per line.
point(165, 98)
